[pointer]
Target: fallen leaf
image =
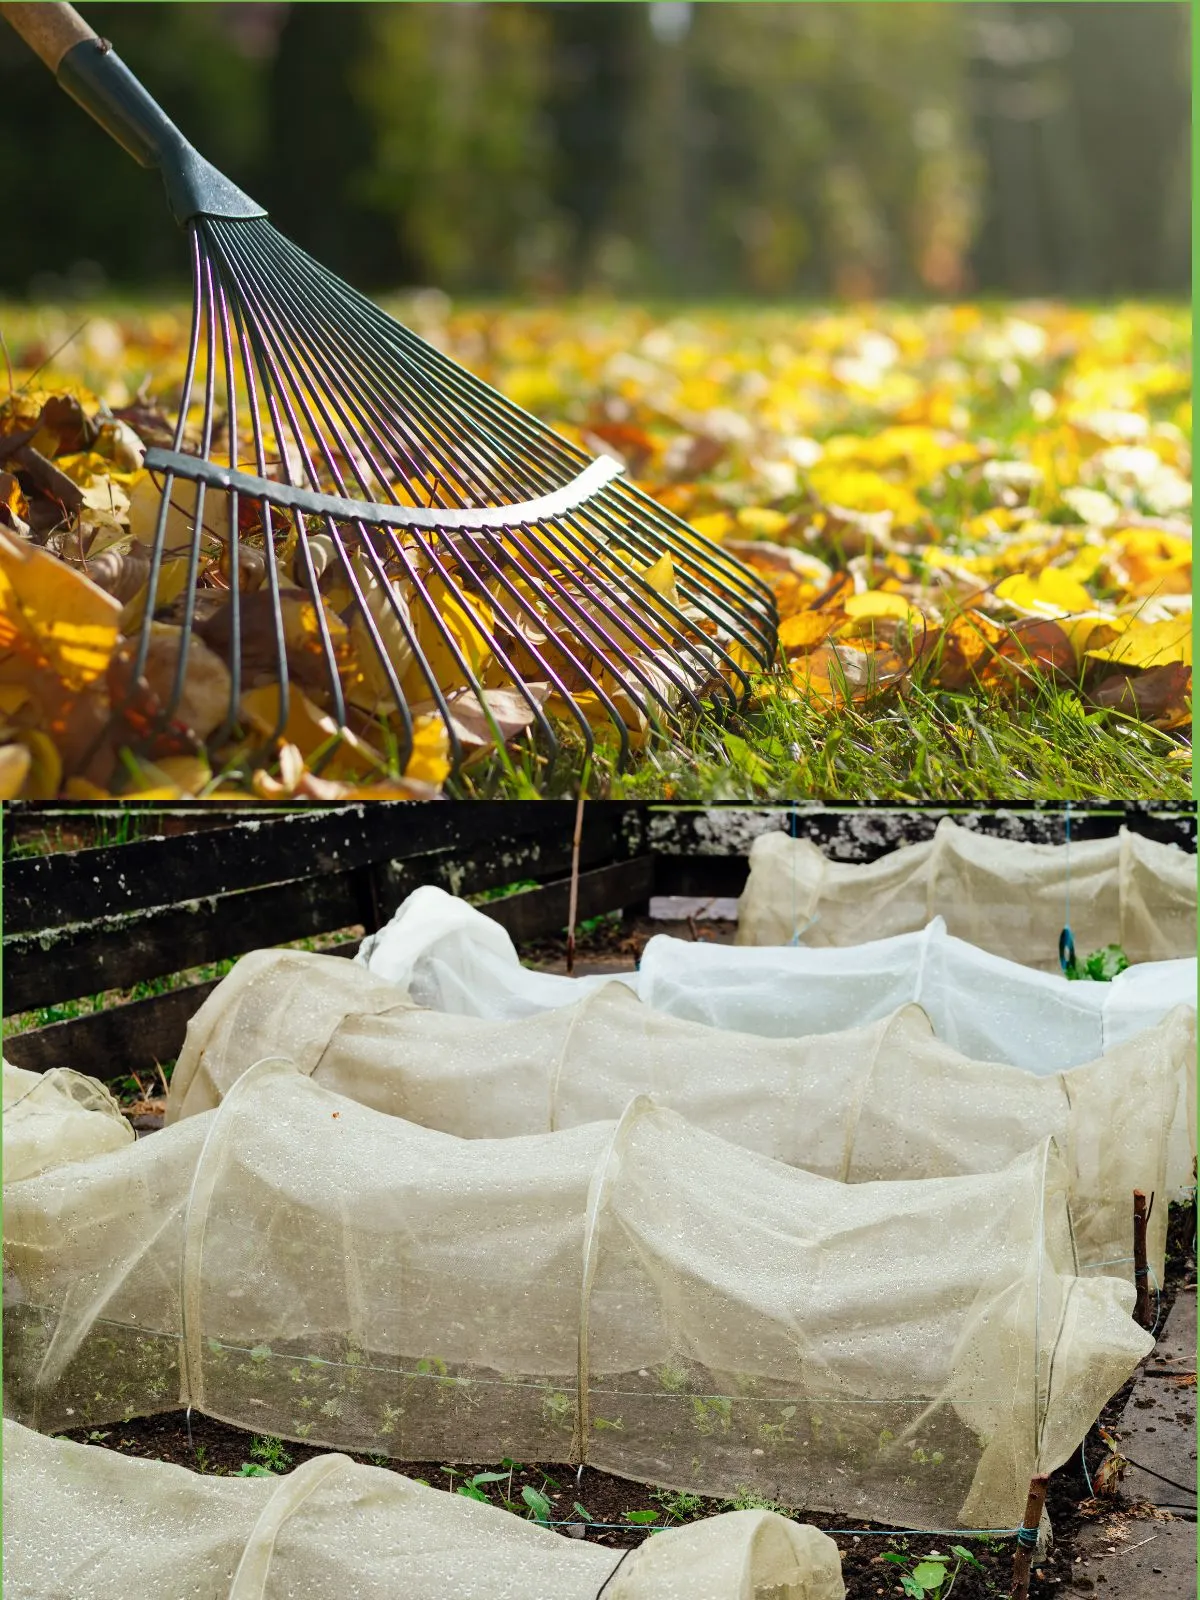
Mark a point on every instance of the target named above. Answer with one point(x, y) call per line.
point(1159, 695)
point(1150, 644)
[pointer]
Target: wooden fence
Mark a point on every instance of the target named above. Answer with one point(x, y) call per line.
point(86, 923)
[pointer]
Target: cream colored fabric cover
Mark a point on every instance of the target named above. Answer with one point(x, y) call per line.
point(88, 1524)
point(1005, 896)
point(885, 1101)
point(642, 1295)
point(57, 1116)
point(448, 956)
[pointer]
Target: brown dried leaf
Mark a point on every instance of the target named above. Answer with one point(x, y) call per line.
point(1161, 696)
point(204, 702)
point(1033, 648)
point(63, 427)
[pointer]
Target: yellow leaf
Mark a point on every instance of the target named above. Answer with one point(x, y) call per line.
point(714, 526)
point(430, 758)
point(465, 621)
point(188, 773)
point(81, 789)
point(172, 578)
point(1050, 594)
point(72, 624)
point(661, 576)
point(310, 729)
point(1090, 630)
point(1151, 644)
point(1149, 561)
point(44, 776)
point(15, 761)
point(861, 490)
point(805, 629)
point(878, 603)
point(760, 522)
point(12, 697)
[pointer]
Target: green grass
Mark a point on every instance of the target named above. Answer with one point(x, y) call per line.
point(147, 989)
point(920, 747)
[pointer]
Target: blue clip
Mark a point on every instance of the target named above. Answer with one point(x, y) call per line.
point(1066, 949)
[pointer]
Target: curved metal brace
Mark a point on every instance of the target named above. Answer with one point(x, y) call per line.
point(196, 470)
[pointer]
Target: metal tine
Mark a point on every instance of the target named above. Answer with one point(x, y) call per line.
point(288, 366)
point(455, 449)
point(431, 399)
point(472, 392)
point(160, 531)
point(189, 605)
point(514, 627)
point(355, 395)
point(265, 512)
point(758, 611)
point(289, 387)
point(563, 529)
point(591, 623)
point(226, 728)
point(624, 578)
point(751, 588)
point(258, 326)
point(634, 584)
point(369, 323)
point(453, 457)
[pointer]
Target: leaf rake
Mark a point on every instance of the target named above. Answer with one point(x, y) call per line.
point(364, 523)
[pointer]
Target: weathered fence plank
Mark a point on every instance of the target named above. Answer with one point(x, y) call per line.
point(93, 920)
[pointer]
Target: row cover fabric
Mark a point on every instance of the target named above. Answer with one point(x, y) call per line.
point(448, 956)
point(885, 1101)
point(82, 1520)
point(57, 1116)
point(1002, 895)
point(640, 1295)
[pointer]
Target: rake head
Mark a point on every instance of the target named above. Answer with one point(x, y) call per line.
point(399, 541)
point(355, 525)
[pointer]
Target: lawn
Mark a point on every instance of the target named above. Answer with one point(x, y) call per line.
point(975, 520)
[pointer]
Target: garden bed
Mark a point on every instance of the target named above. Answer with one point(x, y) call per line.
point(619, 1513)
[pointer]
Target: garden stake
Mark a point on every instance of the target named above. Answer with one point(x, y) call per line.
point(573, 907)
point(1027, 1537)
point(1141, 1264)
point(456, 539)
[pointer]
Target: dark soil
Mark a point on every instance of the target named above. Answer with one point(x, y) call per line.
point(615, 943)
point(218, 1448)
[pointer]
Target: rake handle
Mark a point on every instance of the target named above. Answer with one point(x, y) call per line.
point(49, 29)
point(93, 74)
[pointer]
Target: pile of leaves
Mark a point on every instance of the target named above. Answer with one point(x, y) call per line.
point(958, 498)
point(976, 504)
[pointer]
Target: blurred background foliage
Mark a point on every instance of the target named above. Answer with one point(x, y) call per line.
point(666, 149)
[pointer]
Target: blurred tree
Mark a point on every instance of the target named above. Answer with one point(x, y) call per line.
point(460, 164)
point(321, 138)
point(591, 86)
point(779, 149)
point(1082, 113)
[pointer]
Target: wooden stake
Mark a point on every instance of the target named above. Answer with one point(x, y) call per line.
point(573, 905)
point(1141, 1265)
point(1035, 1504)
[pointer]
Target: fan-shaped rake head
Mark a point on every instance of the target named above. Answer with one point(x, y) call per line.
point(368, 535)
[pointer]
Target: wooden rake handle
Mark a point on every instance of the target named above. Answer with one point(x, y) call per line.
point(48, 28)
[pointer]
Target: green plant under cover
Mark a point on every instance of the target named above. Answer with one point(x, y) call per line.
point(1101, 966)
point(932, 1575)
